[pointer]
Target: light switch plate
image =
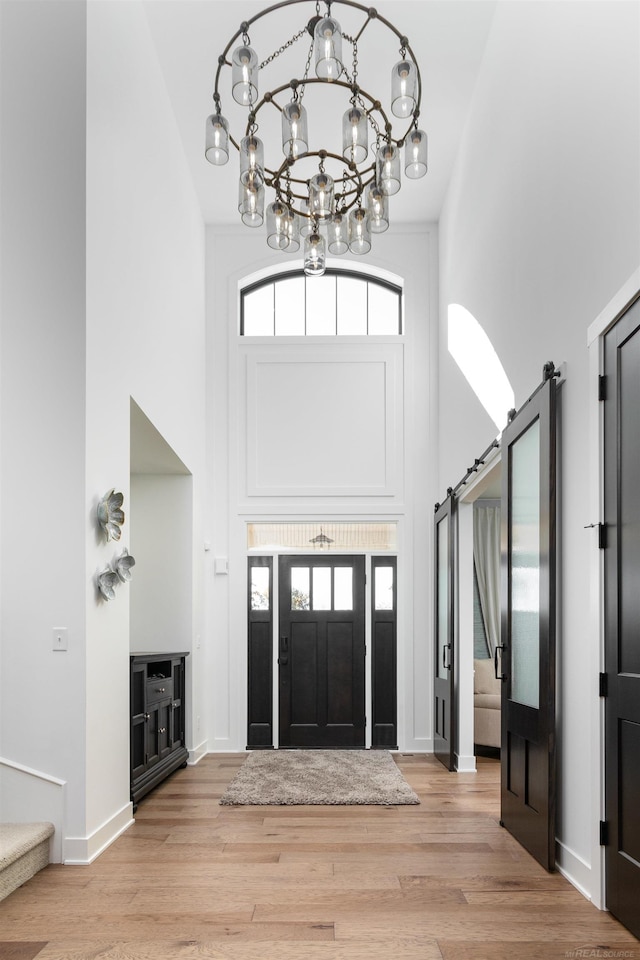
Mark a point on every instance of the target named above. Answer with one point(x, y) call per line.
point(60, 638)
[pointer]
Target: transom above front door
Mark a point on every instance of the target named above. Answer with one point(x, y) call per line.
point(321, 655)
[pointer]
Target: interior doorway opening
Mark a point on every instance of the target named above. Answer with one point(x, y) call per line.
point(478, 569)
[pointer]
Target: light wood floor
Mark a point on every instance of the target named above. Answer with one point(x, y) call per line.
point(192, 879)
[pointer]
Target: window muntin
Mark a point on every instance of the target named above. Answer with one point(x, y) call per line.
point(340, 303)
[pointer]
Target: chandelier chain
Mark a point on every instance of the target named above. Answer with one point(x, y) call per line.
point(307, 67)
point(285, 46)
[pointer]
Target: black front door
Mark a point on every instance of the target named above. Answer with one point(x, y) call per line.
point(525, 658)
point(321, 656)
point(622, 617)
point(443, 674)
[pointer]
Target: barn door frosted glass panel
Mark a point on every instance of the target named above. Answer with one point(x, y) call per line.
point(443, 595)
point(525, 567)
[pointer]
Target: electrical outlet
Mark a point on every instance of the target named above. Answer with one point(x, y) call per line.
point(60, 638)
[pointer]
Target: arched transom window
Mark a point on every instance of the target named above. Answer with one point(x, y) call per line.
point(340, 303)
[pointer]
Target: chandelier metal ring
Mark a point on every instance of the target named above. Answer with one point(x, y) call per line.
point(349, 209)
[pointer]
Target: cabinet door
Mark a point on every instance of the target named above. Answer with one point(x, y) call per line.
point(165, 714)
point(176, 719)
point(138, 744)
point(153, 736)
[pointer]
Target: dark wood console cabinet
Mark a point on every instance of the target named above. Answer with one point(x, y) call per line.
point(158, 708)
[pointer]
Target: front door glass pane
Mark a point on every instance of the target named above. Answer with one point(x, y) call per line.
point(300, 598)
point(524, 567)
point(259, 588)
point(322, 588)
point(383, 597)
point(443, 594)
point(343, 588)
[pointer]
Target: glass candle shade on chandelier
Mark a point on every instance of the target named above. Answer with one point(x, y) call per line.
point(331, 197)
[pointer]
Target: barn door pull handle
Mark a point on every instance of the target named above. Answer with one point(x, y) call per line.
point(495, 662)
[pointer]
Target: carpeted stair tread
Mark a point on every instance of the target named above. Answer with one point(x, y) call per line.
point(24, 850)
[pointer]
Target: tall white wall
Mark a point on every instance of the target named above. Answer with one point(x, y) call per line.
point(161, 601)
point(244, 488)
point(145, 339)
point(42, 402)
point(540, 228)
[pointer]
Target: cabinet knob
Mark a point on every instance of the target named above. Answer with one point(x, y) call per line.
point(146, 716)
point(159, 689)
point(162, 730)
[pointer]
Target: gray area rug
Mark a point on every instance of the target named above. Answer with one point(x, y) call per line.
point(288, 777)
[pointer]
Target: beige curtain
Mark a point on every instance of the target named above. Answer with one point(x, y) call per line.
point(486, 556)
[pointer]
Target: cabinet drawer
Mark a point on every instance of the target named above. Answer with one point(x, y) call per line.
point(159, 689)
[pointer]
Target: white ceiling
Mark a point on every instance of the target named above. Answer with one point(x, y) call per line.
point(447, 37)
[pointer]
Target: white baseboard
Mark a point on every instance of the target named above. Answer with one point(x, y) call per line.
point(417, 745)
point(197, 753)
point(576, 870)
point(84, 850)
point(465, 764)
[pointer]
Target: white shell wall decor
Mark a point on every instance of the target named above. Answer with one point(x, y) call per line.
point(111, 514)
point(123, 566)
point(107, 581)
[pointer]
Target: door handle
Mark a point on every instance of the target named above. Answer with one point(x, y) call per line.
point(445, 665)
point(283, 659)
point(502, 676)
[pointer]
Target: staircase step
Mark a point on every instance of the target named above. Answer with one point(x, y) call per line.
point(24, 849)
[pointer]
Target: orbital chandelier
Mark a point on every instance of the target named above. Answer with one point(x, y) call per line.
point(333, 197)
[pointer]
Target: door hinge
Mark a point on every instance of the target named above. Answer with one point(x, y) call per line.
point(603, 685)
point(602, 387)
point(604, 833)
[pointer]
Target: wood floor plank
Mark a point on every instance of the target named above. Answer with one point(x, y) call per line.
point(538, 950)
point(397, 948)
point(192, 879)
point(26, 950)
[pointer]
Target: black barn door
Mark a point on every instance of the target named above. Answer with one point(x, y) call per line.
point(525, 658)
point(622, 617)
point(321, 653)
point(443, 675)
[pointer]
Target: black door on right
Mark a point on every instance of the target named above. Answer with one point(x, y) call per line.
point(622, 617)
point(527, 637)
point(443, 677)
